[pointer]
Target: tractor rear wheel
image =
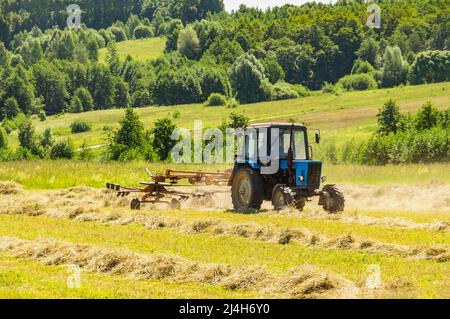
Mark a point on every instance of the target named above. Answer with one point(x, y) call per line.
point(332, 199)
point(247, 191)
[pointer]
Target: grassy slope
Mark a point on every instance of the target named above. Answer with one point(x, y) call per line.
point(340, 117)
point(141, 50)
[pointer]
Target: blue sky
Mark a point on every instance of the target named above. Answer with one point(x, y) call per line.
point(263, 4)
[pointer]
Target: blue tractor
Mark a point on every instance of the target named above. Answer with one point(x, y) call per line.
point(298, 177)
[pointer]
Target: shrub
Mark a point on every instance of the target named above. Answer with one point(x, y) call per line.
point(232, 104)
point(46, 139)
point(362, 67)
point(143, 32)
point(118, 34)
point(62, 150)
point(216, 99)
point(3, 139)
point(431, 67)
point(428, 117)
point(329, 88)
point(283, 91)
point(357, 82)
point(79, 127)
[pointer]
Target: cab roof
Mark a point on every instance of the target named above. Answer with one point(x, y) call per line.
point(277, 125)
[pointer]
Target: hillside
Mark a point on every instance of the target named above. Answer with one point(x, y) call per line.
point(140, 50)
point(348, 115)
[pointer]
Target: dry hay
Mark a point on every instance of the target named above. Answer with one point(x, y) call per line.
point(9, 188)
point(28, 208)
point(298, 283)
point(267, 233)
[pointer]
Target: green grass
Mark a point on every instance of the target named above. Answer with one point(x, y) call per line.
point(65, 174)
point(429, 279)
point(351, 115)
point(22, 279)
point(141, 50)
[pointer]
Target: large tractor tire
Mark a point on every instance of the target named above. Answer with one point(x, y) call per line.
point(247, 191)
point(332, 199)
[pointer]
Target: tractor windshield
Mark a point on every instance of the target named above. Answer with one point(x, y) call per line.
point(299, 144)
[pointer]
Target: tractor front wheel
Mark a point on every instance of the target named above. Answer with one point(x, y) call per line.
point(332, 199)
point(247, 190)
point(281, 199)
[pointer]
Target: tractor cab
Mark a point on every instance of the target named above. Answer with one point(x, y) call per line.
point(293, 176)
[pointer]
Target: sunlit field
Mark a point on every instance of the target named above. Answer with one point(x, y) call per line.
point(141, 50)
point(350, 115)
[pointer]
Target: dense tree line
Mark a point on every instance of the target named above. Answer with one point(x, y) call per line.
point(23, 15)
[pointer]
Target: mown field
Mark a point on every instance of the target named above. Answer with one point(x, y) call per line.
point(141, 50)
point(204, 251)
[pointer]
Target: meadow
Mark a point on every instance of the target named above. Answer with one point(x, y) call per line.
point(140, 50)
point(64, 174)
point(340, 118)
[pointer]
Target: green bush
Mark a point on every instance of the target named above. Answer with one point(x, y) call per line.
point(284, 91)
point(430, 67)
point(62, 150)
point(143, 32)
point(216, 99)
point(79, 127)
point(232, 104)
point(362, 67)
point(358, 82)
point(329, 88)
point(118, 34)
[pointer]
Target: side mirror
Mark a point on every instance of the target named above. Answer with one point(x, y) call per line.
point(317, 138)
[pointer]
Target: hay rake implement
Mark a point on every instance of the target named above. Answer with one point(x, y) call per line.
point(159, 190)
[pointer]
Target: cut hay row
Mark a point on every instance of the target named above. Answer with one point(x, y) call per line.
point(441, 226)
point(268, 233)
point(9, 188)
point(303, 282)
point(95, 198)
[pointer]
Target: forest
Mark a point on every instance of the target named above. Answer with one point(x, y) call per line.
point(211, 56)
